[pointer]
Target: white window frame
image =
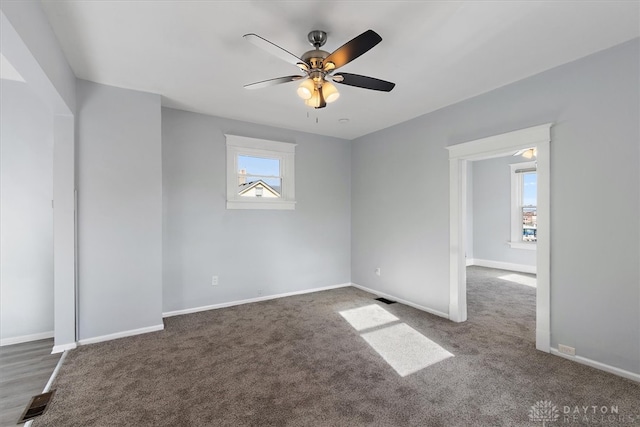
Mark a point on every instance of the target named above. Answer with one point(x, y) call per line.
point(253, 147)
point(517, 179)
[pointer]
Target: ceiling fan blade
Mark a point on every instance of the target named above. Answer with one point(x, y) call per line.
point(272, 82)
point(276, 50)
point(363, 81)
point(353, 49)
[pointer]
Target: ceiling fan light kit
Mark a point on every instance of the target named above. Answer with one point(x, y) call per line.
point(527, 153)
point(306, 89)
point(330, 92)
point(316, 88)
point(316, 100)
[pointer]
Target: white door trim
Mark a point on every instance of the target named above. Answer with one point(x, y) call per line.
point(498, 146)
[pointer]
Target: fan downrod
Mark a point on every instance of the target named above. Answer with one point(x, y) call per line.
point(317, 38)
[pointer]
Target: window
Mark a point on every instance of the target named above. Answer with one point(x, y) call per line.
point(260, 174)
point(259, 177)
point(524, 211)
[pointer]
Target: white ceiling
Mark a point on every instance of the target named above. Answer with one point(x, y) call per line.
point(437, 52)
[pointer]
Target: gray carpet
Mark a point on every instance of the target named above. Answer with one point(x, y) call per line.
point(297, 362)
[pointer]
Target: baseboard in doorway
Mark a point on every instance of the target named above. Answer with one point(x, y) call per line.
point(63, 347)
point(26, 338)
point(522, 268)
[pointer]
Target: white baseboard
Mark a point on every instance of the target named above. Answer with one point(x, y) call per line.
point(54, 374)
point(522, 268)
point(52, 378)
point(122, 334)
point(63, 347)
point(598, 365)
point(470, 261)
point(26, 338)
point(402, 301)
point(250, 300)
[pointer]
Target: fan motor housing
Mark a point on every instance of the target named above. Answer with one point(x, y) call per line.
point(315, 58)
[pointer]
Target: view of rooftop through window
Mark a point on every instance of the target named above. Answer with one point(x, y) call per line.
point(529, 207)
point(259, 177)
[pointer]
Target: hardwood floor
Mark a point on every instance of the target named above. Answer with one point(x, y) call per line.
point(24, 371)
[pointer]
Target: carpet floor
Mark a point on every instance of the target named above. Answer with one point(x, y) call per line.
point(337, 358)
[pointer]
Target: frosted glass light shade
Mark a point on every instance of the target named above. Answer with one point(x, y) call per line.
point(330, 92)
point(306, 89)
point(314, 101)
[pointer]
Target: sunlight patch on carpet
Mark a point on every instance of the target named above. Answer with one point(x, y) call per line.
point(405, 349)
point(520, 279)
point(369, 316)
point(402, 347)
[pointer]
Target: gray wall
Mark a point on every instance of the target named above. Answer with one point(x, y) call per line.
point(26, 217)
point(254, 252)
point(120, 209)
point(492, 212)
point(404, 226)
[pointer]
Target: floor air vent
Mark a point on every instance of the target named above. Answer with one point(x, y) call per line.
point(36, 407)
point(384, 300)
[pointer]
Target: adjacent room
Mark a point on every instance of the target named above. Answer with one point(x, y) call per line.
point(502, 232)
point(319, 213)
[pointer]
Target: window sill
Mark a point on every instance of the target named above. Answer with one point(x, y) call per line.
point(263, 204)
point(531, 246)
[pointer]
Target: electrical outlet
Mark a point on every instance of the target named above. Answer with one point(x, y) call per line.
point(214, 281)
point(378, 272)
point(565, 349)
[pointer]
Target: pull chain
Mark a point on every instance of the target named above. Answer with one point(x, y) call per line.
point(308, 117)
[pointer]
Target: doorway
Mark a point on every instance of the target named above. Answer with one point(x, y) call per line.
point(26, 214)
point(538, 137)
point(54, 85)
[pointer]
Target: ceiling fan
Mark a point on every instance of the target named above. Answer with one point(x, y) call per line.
point(319, 67)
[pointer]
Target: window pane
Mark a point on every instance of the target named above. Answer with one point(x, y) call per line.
point(264, 187)
point(529, 189)
point(259, 177)
point(529, 207)
point(261, 188)
point(259, 166)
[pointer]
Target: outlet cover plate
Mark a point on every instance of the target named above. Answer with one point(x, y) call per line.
point(565, 349)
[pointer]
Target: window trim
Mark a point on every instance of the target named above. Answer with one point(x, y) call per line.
point(516, 241)
point(254, 147)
